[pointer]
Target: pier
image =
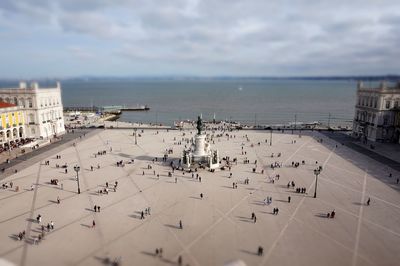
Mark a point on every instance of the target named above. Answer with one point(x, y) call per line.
point(106, 109)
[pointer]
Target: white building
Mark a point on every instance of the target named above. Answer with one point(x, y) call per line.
point(377, 113)
point(42, 108)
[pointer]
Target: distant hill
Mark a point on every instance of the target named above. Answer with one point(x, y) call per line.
point(389, 77)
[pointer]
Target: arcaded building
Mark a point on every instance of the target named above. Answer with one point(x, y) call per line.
point(12, 124)
point(377, 113)
point(41, 107)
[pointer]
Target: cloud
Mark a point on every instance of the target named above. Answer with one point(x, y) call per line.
point(283, 37)
point(80, 52)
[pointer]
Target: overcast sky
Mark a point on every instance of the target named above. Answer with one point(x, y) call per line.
point(61, 38)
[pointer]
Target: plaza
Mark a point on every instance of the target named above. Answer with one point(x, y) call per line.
point(218, 227)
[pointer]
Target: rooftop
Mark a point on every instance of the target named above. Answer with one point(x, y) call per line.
point(383, 87)
point(6, 105)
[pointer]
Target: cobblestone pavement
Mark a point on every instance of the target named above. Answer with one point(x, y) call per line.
point(29, 158)
point(216, 229)
point(387, 156)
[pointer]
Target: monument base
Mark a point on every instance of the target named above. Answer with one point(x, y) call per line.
point(200, 155)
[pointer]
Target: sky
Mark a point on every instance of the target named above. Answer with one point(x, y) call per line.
point(67, 38)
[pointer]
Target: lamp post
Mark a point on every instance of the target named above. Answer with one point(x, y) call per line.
point(77, 169)
point(316, 173)
point(270, 138)
point(135, 135)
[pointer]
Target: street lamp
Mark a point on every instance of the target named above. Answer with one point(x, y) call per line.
point(77, 169)
point(135, 133)
point(270, 139)
point(316, 173)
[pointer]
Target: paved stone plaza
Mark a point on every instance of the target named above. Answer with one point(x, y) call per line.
point(216, 229)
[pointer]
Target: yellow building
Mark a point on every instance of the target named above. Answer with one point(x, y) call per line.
point(12, 124)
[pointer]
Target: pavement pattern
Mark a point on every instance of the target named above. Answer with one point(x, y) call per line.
point(217, 228)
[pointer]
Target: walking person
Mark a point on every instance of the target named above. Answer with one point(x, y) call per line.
point(288, 199)
point(260, 251)
point(93, 224)
point(368, 201)
point(58, 200)
point(180, 224)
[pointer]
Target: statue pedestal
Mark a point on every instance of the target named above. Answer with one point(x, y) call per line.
point(200, 145)
point(200, 154)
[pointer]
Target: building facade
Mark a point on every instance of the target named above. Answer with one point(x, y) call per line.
point(377, 115)
point(42, 109)
point(12, 124)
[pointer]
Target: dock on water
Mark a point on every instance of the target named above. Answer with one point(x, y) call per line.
point(107, 109)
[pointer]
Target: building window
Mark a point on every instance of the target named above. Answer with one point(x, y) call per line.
point(30, 104)
point(385, 121)
point(387, 104)
point(375, 102)
point(396, 104)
